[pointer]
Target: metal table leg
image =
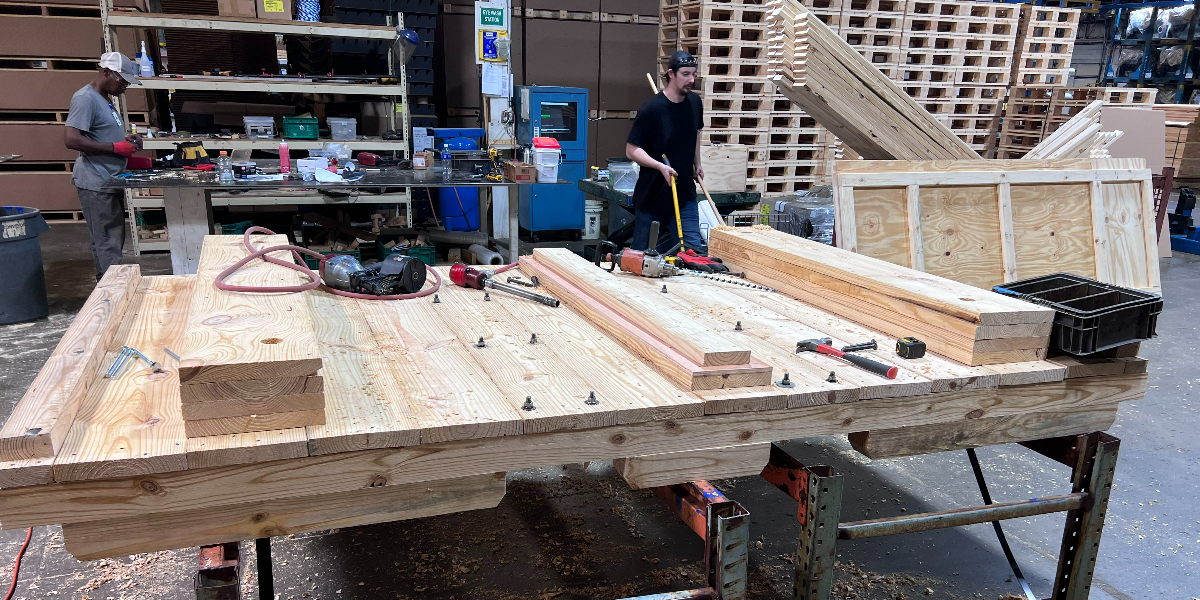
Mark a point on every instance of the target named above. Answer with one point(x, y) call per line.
point(1095, 462)
point(189, 219)
point(818, 490)
point(266, 580)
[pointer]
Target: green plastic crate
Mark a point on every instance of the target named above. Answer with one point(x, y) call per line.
point(300, 128)
point(313, 263)
point(236, 228)
point(425, 254)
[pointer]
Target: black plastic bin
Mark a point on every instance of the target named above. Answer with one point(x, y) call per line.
point(1090, 316)
point(23, 295)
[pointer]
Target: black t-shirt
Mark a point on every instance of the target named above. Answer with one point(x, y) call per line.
point(665, 127)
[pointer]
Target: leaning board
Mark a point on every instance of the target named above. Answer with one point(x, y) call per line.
point(989, 222)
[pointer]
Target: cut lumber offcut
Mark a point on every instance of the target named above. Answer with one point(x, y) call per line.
point(1079, 137)
point(285, 516)
point(40, 422)
point(666, 360)
point(691, 339)
point(846, 93)
point(670, 468)
point(949, 316)
point(249, 360)
point(244, 336)
point(986, 223)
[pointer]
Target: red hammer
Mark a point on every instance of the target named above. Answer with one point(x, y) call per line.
point(822, 345)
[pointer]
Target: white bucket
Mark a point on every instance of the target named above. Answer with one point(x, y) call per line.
point(546, 160)
point(591, 221)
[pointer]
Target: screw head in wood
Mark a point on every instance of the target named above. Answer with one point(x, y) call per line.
point(528, 403)
point(436, 300)
point(664, 290)
point(481, 343)
point(534, 280)
point(737, 326)
point(487, 297)
point(533, 338)
point(832, 377)
point(591, 399)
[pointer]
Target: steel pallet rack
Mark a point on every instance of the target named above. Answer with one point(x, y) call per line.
point(112, 19)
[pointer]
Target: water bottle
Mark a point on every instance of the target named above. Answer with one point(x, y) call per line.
point(145, 65)
point(447, 162)
point(225, 167)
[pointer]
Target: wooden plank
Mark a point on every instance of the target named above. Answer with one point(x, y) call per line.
point(198, 489)
point(131, 424)
point(666, 360)
point(1124, 231)
point(40, 421)
point(916, 252)
point(246, 448)
point(250, 390)
point(1153, 278)
point(274, 518)
point(670, 468)
point(1008, 249)
point(647, 311)
point(251, 423)
point(882, 231)
point(238, 336)
point(962, 234)
point(926, 439)
point(724, 167)
point(1054, 224)
point(236, 407)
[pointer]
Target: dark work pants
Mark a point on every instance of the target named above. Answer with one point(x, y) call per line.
point(664, 213)
point(105, 214)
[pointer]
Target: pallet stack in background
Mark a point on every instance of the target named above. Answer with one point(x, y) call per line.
point(1044, 46)
point(1032, 113)
point(47, 52)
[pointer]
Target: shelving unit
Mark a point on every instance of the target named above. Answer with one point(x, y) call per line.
point(1142, 75)
point(112, 20)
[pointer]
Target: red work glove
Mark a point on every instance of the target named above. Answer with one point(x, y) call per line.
point(125, 149)
point(696, 262)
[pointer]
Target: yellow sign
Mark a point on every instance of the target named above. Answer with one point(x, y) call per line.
point(488, 45)
point(273, 5)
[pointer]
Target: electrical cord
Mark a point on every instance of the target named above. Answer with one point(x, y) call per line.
point(264, 253)
point(17, 564)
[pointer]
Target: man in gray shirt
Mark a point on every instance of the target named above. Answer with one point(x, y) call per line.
point(94, 128)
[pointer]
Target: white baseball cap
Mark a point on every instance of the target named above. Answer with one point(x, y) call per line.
point(117, 62)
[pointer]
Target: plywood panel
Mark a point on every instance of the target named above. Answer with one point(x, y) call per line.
point(724, 167)
point(961, 230)
point(1126, 236)
point(1054, 226)
point(1145, 132)
point(882, 223)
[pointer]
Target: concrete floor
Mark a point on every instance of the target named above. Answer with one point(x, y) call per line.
point(572, 532)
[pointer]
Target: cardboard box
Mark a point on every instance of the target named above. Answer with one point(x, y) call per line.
point(236, 8)
point(519, 172)
point(422, 160)
point(274, 9)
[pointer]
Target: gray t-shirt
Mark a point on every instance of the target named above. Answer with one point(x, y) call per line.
point(92, 114)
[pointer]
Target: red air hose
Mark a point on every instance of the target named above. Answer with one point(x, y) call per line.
point(298, 265)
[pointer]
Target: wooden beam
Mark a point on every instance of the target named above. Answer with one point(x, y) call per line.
point(274, 518)
point(40, 422)
point(642, 472)
point(197, 489)
point(926, 439)
point(238, 336)
point(916, 243)
point(684, 335)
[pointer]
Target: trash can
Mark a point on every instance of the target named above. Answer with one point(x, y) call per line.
point(23, 295)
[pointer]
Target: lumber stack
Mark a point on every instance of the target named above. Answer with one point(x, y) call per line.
point(1033, 113)
point(684, 350)
point(1183, 142)
point(787, 148)
point(816, 69)
point(1079, 137)
point(958, 321)
point(1044, 45)
point(250, 361)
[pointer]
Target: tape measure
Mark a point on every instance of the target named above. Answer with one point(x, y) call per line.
point(910, 347)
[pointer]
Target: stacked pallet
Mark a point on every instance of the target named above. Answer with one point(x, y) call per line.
point(875, 29)
point(250, 361)
point(1044, 46)
point(956, 59)
point(960, 322)
point(1033, 113)
point(816, 69)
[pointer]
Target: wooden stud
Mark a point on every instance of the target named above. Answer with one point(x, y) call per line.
point(1008, 244)
point(916, 239)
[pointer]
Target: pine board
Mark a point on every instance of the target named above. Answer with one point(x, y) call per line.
point(671, 468)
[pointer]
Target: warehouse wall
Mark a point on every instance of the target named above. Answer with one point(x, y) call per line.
point(609, 59)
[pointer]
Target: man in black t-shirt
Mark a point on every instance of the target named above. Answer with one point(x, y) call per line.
point(669, 123)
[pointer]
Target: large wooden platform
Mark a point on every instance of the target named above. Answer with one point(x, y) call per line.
point(410, 399)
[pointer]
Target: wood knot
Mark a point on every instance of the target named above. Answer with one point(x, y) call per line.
point(975, 414)
point(847, 421)
point(150, 487)
point(217, 320)
point(379, 481)
point(617, 439)
point(258, 517)
point(272, 341)
point(745, 435)
point(670, 424)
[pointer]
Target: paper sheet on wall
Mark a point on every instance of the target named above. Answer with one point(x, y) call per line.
point(421, 139)
point(496, 80)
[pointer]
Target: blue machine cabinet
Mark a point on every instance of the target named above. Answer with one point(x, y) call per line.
point(560, 113)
